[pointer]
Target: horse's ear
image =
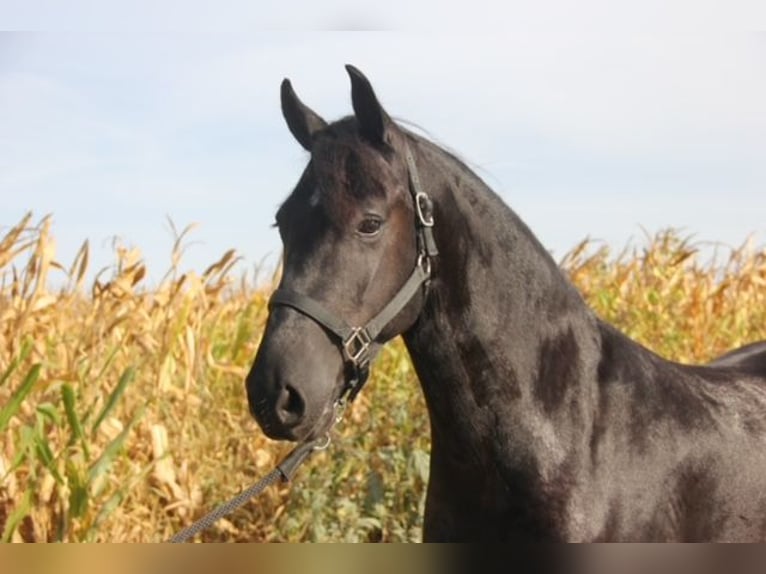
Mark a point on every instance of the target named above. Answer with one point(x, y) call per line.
point(373, 119)
point(301, 120)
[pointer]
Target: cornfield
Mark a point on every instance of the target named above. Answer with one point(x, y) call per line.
point(122, 408)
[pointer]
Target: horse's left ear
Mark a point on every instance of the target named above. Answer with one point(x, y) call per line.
point(373, 119)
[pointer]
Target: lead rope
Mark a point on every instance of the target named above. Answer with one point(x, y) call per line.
point(285, 471)
point(355, 343)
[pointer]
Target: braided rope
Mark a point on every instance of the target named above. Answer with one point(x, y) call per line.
point(227, 508)
point(285, 471)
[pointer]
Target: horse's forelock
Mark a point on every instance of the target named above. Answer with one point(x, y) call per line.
point(344, 170)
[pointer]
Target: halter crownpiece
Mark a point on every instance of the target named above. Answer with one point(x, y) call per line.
point(355, 342)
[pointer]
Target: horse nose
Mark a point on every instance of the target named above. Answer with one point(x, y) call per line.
point(277, 405)
point(290, 406)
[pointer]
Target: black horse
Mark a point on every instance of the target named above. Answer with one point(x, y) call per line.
point(546, 423)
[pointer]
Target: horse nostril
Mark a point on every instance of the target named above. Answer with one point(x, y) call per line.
point(290, 406)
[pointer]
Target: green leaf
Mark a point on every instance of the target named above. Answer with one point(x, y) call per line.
point(127, 376)
point(45, 454)
point(18, 514)
point(107, 363)
point(376, 491)
point(26, 349)
point(23, 446)
point(111, 451)
point(78, 490)
point(18, 397)
point(109, 507)
point(68, 396)
point(50, 412)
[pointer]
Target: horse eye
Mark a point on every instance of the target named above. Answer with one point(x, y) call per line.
point(370, 226)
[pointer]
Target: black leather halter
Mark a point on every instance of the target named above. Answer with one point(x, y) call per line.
point(355, 342)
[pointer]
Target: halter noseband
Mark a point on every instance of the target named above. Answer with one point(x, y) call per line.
point(355, 342)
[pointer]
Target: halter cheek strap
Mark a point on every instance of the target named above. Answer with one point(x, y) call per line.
point(355, 342)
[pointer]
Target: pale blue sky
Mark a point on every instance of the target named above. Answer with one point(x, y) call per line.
point(582, 134)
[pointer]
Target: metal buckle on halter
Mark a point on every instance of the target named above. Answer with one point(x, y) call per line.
point(355, 346)
point(423, 207)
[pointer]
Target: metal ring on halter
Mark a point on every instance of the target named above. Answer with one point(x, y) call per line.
point(424, 262)
point(423, 209)
point(324, 445)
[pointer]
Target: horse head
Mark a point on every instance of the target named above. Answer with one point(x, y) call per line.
point(350, 245)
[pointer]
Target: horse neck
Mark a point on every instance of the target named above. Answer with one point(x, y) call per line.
point(501, 341)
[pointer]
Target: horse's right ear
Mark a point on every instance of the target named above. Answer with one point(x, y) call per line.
point(373, 119)
point(301, 120)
